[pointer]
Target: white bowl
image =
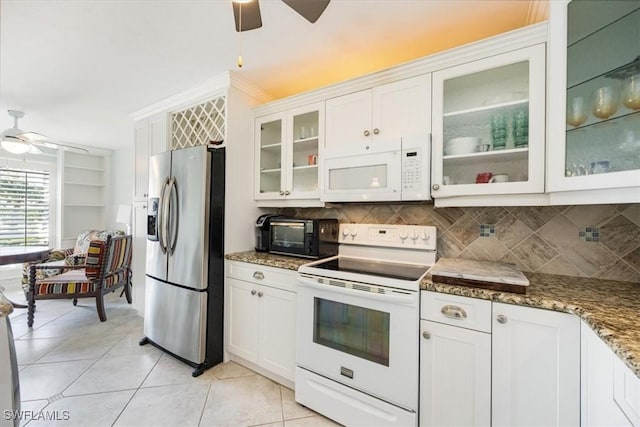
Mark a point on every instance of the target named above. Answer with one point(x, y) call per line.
point(461, 145)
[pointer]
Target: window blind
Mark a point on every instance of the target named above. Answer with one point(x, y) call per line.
point(24, 207)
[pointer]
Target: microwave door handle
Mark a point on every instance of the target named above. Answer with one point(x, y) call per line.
point(173, 189)
point(399, 298)
point(162, 215)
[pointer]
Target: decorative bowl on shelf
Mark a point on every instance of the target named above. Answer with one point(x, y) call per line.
point(461, 145)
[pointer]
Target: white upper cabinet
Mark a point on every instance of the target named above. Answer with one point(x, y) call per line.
point(488, 125)
point(360, 120)
point(288, 147)
point(594, 84)
point(149, 138)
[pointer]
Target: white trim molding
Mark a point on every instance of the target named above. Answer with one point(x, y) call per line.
point(538, 11)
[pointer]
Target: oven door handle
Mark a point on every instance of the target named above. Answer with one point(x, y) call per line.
point(398, 296)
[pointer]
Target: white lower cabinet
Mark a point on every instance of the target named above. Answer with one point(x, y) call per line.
point(535, 367)
point(455, 376)
point(260, 318)
point(139, 257)
point(597, 365)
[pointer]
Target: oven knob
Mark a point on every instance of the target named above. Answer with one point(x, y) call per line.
point(414, 235)
point(345, 232)
point(425, 236)
point(354, 232)
point(403, 235)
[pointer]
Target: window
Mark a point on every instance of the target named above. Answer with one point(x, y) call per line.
point(24, 207)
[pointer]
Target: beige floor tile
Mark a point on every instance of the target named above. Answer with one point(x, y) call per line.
point(113, 374)
point(230, 370)
point(30, 351)
point(91, 410)
point(130, 345)
point(316, 421)
point(175, 405)
point(82, 346)
point(31, 407)
point(170, 370)
point(244, 401)
point(43, 380)
point(292, 409)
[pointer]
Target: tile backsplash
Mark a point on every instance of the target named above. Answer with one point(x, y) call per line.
point(601, 241)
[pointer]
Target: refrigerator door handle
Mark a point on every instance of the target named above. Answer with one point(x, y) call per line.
point(175, 223)
point(162, 216)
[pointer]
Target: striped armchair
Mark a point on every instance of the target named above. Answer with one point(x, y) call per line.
point(106, 268)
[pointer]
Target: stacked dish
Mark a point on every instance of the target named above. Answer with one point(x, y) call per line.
point(461, 145)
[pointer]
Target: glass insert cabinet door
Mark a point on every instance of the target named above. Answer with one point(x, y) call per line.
point(599, 121)
point(488, 130)
point(603, 95)
point(306, 136)
point(270, 156)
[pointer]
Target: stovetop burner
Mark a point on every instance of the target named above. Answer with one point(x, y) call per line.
point(390, 270)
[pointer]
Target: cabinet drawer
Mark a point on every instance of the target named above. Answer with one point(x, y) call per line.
point(264, 275)
point(455, 310)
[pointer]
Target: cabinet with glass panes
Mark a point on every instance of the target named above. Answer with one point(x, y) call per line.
point(488, 128)
point(601, 126)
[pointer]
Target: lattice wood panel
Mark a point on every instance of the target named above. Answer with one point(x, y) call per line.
point(199, 125)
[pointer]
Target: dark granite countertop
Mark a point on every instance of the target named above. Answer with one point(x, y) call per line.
point(610, 308)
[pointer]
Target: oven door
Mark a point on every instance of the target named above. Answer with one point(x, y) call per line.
point(365, 337)
point(368, 177)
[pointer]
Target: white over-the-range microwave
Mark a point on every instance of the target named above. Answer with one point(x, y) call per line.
point(394, 170)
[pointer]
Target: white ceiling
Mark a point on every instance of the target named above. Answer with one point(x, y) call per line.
point(78, 68)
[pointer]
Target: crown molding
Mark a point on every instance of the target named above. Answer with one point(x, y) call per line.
point(213, 87)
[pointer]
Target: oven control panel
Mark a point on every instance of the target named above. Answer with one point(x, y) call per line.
point(389, 235)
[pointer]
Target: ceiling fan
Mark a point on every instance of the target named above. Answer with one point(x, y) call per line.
point(17, 141)
point(247, 12)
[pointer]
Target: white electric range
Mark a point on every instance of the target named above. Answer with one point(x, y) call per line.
point(358, 324)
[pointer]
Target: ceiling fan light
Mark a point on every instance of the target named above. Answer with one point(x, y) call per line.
point(15, 147)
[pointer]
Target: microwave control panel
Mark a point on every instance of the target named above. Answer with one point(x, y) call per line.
point(415, 170)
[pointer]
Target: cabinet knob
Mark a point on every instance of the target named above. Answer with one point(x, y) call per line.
point(144, 195)
point(258, 275)
point(253, 292)
point(435, 187)
point(286, 193)
point(260, 294)
point(281, 193)
point(366, 133)
point(376, 131)
point(426, 335)
point(501, 318)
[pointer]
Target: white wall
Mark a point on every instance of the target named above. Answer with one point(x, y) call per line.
point(121, 183)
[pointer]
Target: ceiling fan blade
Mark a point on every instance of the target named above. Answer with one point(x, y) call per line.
point(251, 18)
point(32, 136)
point(309, 9)
point(59, 146)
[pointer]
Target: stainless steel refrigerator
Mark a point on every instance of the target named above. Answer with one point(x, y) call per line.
point(184, 294)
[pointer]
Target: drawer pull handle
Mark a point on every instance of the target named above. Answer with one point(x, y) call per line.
point(426, 335)
point(501, 318)
point(253, 292)
point(454, 312)
point(258, 275)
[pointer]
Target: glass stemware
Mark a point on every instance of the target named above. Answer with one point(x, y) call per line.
point(605, 102)
point(576, 111)
point(631, 92)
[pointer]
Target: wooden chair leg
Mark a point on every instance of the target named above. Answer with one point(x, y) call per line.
point(31, 308)
point(127, 291)
point(100, 306)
